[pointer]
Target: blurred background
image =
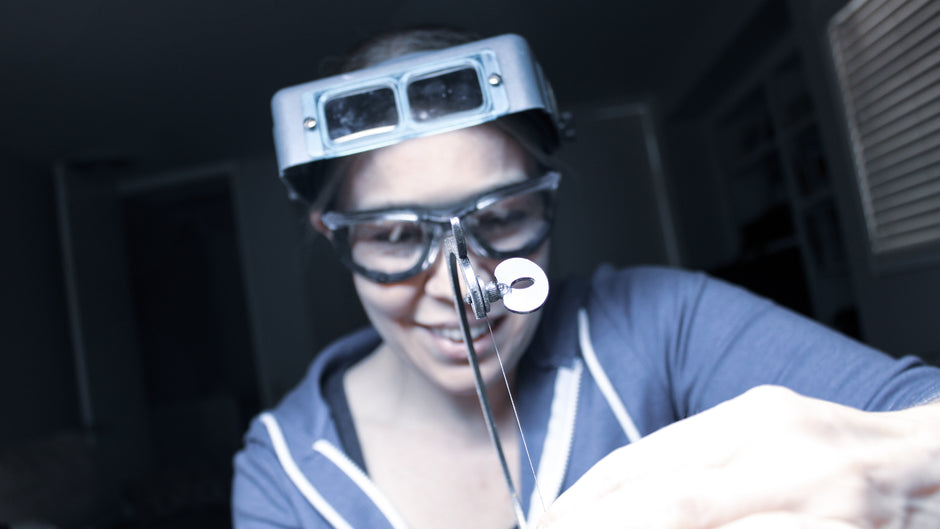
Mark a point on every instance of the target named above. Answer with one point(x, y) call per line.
point(159, 290)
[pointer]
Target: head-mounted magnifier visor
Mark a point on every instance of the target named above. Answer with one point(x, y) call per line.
point(411, 96)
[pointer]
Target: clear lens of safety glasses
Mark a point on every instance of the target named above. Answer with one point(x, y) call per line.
point(511, 226)
point(395, 244)
point(390, 248)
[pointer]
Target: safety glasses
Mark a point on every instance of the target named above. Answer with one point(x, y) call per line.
point(394, 244)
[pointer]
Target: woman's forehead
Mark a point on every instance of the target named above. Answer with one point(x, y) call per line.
point(435, 170)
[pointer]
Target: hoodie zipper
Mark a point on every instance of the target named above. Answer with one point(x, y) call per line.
point(559, 438)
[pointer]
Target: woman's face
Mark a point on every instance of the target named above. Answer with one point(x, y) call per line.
point(416, 317)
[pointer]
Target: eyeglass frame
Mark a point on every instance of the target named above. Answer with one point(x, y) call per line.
point(439, 219)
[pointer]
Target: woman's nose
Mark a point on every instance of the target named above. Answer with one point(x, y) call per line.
point(439, 283)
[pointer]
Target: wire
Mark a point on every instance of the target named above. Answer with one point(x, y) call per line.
point(515, 414)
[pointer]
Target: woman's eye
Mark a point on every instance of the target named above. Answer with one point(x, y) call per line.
point(391, 234)
point(501, 218)
point(510, 213)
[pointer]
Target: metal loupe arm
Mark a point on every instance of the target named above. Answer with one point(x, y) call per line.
point(520, 283)
point(529, 296)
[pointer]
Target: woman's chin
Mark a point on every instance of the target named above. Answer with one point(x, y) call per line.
point(458, 379)
point(446, 359)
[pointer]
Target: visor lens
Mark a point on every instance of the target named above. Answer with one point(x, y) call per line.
point(440, 95)
point(513, 225)
point(389, 247)
point(366, 113)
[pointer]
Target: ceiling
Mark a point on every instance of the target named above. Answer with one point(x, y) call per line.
point(185, 80)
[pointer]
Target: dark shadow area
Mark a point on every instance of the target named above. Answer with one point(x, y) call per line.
point(195, 348)
point(751, 158)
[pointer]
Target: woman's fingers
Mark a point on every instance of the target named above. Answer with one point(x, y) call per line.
point(768, 456)
point(678, 477)
point(672, 499)
point(786, 520)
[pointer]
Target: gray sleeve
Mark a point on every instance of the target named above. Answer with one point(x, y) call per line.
point(714, 341)
point(259, 497)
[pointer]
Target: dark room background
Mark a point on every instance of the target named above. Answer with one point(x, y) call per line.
point(159, 289)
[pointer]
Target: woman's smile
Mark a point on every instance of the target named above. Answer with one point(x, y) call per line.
point(449, 339)
point(455, 334)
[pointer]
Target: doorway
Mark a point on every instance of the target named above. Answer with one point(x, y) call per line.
point(193, 338)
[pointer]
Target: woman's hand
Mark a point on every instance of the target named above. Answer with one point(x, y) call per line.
point(767, 459)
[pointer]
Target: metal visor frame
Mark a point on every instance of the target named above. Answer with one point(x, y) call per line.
point(352, 119)
point(382, 111)
point(439, 220)
point(508, 80)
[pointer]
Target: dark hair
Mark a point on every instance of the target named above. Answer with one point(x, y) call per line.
point(390, 45)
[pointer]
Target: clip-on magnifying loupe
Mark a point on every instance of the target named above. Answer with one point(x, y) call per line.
point(523, 287)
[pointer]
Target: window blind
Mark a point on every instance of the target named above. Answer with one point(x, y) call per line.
point(887, 55)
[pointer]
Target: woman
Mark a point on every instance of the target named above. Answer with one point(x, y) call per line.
point(385, 430)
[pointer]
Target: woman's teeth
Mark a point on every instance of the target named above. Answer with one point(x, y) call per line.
point(456, 335)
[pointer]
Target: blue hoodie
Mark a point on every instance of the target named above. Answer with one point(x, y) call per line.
point(615, 358)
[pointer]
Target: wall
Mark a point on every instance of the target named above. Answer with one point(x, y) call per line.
point(612, 207)
point(899, 307)
point(299, 297)
point(41, 441)
point(37, 386)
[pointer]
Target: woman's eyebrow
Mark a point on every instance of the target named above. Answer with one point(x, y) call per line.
point(429, 208)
